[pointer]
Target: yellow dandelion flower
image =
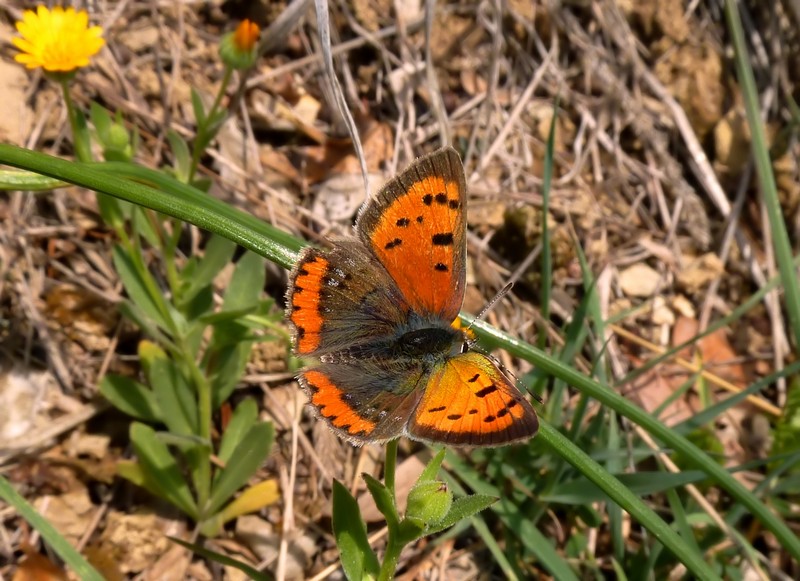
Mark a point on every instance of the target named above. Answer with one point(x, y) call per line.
point(58, 40)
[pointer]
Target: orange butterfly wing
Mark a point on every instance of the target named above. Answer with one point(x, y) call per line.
point(469, 402)
point(416, 227)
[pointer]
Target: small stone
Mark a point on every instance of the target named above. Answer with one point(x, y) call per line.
point(639, 280)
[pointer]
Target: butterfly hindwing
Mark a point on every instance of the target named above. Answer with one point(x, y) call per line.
point(416, 227)
point(340, 298)
point(365, 402)
point(469, 402)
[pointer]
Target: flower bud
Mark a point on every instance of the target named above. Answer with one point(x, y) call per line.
point(429, 502)
point(239, 49)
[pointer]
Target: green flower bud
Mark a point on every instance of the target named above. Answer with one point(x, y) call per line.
point(239, 49)
point(429, 502)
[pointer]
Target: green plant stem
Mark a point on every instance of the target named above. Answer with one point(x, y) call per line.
point(390, 557)
point(170, 245)
point(393, 544)
point(204, 413)
point(203, 126)
point(390, 466)
point(79, 140)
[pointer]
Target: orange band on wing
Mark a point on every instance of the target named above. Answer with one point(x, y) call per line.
point(331, 403)
point(305, 300)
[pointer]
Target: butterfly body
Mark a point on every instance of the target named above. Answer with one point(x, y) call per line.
point(376, 311)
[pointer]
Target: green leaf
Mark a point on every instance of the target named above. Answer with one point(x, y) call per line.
point(432, 469)
point(245, 460)
point(218, 253)
point(429, 502)
point(198, 107)
point(111, 210)
point(183, 157)
point(173, 392)
point(222, 560)
point(582, 491)
point(787, 428)
point(383, 499)
point(242, 420)
point(101, 119)
point(133, 279)
point(29, 181)
point(463, 508)
point(130, 311)
point(160, 469)
point(358, 559)
point(131, 397)
point(158, 191)
point(247, 283)
point(228, 368)
point(200, 305)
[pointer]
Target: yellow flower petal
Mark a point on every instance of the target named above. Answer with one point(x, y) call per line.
point(57, 40)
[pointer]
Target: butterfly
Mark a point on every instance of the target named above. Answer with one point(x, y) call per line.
point(377, 312)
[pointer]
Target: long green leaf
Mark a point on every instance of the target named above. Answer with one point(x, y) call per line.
point(668, 437)
point(160, 470)
point(174, 199)
point(620, 494)
point(356, 555)
point(59, 544)
point(246, 459)
point(780, 236)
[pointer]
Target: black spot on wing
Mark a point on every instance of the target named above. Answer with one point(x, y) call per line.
point(486, 390)
point(393, 244)
point(440, 266)
point(442, 239)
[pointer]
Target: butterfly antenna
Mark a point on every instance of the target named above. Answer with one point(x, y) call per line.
point(490, 305)
point(509, 374)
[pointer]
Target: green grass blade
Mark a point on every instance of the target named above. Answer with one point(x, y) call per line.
point(780, 237)
point(53, 538)
point(547, 251)
point(668, 437)
point(174, 199)
point(627, 500)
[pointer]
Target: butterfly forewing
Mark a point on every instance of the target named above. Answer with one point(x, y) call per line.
point(339, 299)
point(416, 226)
